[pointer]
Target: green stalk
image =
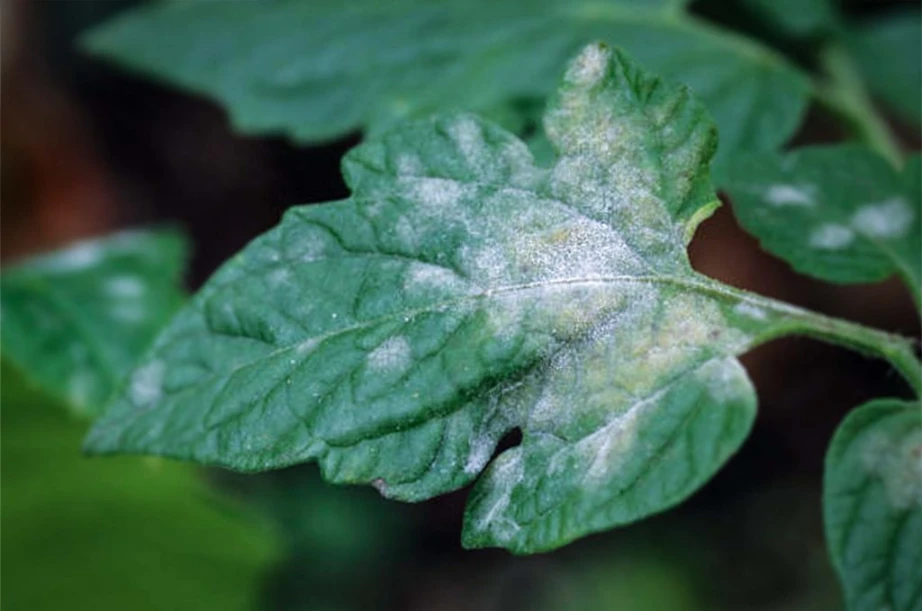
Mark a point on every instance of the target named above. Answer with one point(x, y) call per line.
point(844, 94)
point(895, 349)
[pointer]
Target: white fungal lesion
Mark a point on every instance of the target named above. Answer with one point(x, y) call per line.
point(897, 463)
point(888, 219)
point(831, 236)
point(409, 164)
point(750, 311)
point(432, 278)
point(435, 193)
point(125, 286)
point(606, 449)
point(791, 195)
point(481, 448)
point(393, 354)
point(146, 385)
point(468, 135)
point(590, 66)
point(505, 475)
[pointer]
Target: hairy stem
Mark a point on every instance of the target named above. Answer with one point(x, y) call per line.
point(895, 349)
point(844, 94)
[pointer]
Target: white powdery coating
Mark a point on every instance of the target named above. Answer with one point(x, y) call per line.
point(750, 311)
point(581, 249)
point(468, 135)
point(125, 286)
point(608, 446)
point(887, 219)
point(406, 233)
point(147, 384)
point(393, 354)
point(505, 475)
point(436, 193)
point(590, 66)
point(79, 257)
point(899, 465)
point(831, 236)
point(279, 277)
point(422, 276)
point(790, 195)
point(481, 449)
point(722, 380)
point(409, 164)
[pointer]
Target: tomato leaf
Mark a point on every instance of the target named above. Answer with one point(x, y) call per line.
point(839, 213)
point(320, 69)
point(872, 504)
point(76, 321)
point(463, 291)
point(887, 51)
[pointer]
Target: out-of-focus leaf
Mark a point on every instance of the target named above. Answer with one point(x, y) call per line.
point(798, 18)
point(889, 53)
point(318, 69)
point(92, 535)
point(872, 504)
point(839, 213)
point(76, 321)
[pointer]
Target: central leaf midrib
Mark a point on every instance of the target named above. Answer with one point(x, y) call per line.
point(687, 283)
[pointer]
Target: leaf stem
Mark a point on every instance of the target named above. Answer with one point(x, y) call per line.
point(844, 94)
point(896, 349)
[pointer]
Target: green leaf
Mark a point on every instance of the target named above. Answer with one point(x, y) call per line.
point(838, 213)
point(872, 505)
point(76, 321)
point(888, 52)
point(136, 534)
point(461, 292)
point(798, 18)
point(320, 69)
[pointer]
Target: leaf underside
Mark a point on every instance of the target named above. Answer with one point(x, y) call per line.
point(872, 505)
point(839, 213)
point(76, 321)
point(462, 292)
point(318, 70)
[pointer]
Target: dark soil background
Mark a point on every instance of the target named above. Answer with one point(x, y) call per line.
point(87, 148)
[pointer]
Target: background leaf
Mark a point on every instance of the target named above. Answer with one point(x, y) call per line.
point(838, 213)
point(128, 534)
point(798, 18)
point(319, 70)
point(76, 321)
point(462, 292)
point(888, 52)
point(872, 503)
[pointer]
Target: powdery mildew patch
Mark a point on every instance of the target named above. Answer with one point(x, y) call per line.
point(393, 354)
point(885, 220)
point(791, 195)
point(125, 286)
point(831, 236)
point(897, 462)
point(146, 385)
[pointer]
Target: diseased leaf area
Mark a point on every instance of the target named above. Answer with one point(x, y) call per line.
point(76, 321)
point(873, 505)
point(839, 213)
point(320, 69)
point(461, 292)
